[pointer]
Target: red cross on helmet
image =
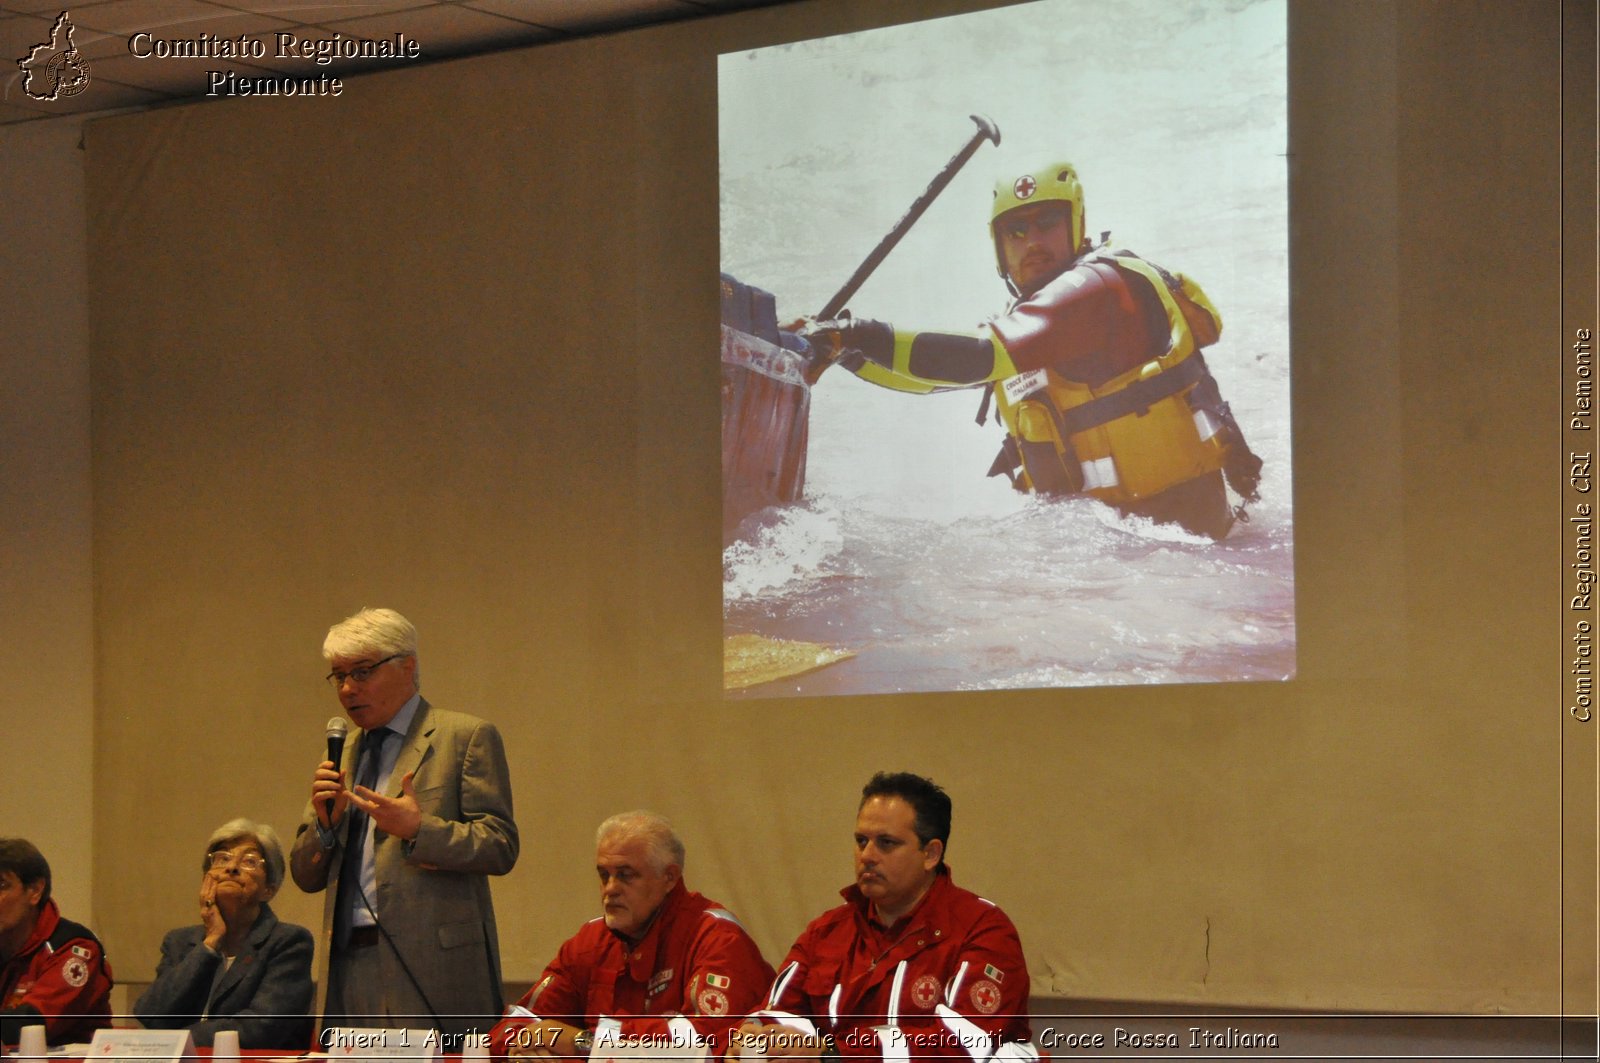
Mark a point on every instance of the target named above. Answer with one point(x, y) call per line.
point(1057, 182)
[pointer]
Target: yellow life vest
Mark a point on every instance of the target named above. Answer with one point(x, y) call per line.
point(1138, 433)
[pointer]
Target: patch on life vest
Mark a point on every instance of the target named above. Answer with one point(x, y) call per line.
point(1024, 187)
point(75, 972)
point(985, 996)
point(994, 972)
point(712, 1002)
point(721, 981)
point(1022, 385)
point(658, 983)
point(925, 991)
point(79, 950)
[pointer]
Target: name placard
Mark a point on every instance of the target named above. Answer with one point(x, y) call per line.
point(140, 1046)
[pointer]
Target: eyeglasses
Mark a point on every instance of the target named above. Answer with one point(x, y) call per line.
point(1042, 222)
point(360, 674)
point(243, 861)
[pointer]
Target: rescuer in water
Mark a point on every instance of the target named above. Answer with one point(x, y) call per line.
point(1095, 369)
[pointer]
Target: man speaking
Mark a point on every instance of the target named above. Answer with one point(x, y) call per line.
point(407, 829)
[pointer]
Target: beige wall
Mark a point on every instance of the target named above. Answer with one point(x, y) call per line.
point(378, 353)
point(46, 601)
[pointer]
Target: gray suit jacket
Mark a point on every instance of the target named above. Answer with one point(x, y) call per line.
point(433, 896)
point(265, 995)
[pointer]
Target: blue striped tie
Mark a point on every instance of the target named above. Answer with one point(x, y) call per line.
point(356, 840)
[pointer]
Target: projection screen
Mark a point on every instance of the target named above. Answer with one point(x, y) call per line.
point(893, 557)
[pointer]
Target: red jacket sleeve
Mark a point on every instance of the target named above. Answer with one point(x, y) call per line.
point(788, 986)
point(1087, 325)
point(558, 994)
point(725, 978)
point(70, 994)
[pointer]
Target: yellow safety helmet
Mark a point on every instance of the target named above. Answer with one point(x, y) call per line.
point(1057, 182)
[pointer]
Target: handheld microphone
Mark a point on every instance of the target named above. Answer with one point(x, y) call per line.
point(337, 729)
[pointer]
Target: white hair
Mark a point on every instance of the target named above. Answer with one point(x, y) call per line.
point(660, 839)
point(264, 837)
point(378, 632)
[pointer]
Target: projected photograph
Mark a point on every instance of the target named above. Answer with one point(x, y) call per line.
point(1005, 352)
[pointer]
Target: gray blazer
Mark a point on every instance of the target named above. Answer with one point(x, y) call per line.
point(265, 994)
point(433, 895)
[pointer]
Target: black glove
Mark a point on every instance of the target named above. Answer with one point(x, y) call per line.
point(850, 341)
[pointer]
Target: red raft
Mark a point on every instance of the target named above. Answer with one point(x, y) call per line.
point(766, 408)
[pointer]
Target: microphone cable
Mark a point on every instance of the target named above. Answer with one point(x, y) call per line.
point(404, 966)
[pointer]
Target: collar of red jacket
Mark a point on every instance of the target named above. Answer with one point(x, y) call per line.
point(43, 926)
point(925, 907)
point(642, 957)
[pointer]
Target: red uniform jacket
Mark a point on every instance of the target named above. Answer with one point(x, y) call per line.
point(695, 961)
point(955, 948)
point(60, 978)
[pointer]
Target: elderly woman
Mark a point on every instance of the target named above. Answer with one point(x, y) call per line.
point(240, 969)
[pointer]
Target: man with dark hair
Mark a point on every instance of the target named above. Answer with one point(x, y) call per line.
point(52, 971)
point(927, 800)
point(911, 965)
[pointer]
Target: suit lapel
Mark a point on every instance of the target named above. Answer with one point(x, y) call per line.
point(413, 749)
point(388, 851)
point(415, 746)
point(245, 961)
